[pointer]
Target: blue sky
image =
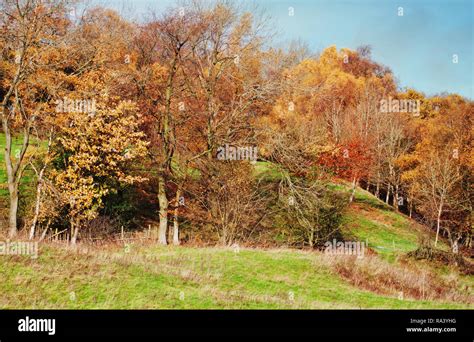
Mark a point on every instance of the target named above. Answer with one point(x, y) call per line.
point(418, 46)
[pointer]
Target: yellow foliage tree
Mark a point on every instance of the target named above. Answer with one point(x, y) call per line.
point(97, 150)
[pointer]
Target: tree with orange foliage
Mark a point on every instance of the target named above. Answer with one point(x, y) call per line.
point(441, 171)
point(348, 161)
point(30, 32)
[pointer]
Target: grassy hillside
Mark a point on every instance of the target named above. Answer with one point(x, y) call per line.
point(138, 275)
point(387, 231)
point(157, 277)
point(369, 219)
point(147, 276)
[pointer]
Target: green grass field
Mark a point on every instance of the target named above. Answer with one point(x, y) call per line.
point(187, 278)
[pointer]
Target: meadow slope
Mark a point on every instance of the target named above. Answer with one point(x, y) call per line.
point(141, 275)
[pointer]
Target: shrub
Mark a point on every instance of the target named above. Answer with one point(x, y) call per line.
point(310, 213)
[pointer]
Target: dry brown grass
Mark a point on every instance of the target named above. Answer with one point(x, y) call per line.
point(402, 280)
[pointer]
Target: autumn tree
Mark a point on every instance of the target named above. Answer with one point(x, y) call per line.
point(441, 170)
point(163, 46)
point(94, 151)
point(225, 89)
point(29, 31)
point(87, 65)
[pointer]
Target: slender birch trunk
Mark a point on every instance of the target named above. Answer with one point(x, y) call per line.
point(438, 222)
point(387, 197)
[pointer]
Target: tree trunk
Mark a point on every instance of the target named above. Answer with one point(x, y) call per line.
point(74, 232)
point(37, 205)
point(377, 187)
point(438, 222)
point(176, 218)
point(354, 183)
point(39, 188)
point(163, 202)
point(455, 246)
point(45, 231)
point(166, 131)
point(176, 232)
point(14, 172)
point(395, 197)
point(387, 197)
point(12, 180)
point(12, 218)
point(209, 137)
